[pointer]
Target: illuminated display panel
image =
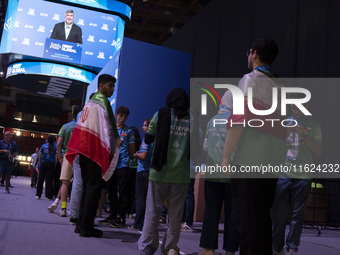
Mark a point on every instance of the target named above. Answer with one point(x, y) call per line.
point(29, 25)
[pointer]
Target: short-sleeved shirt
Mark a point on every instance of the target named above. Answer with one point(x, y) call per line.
point(302, 154)
point(257, 147)
point(177, 167)
point(34, 157)
point(216, 138)
point(12, 147)
point(65, 132)
point(45, 156)
point(128, 136)
point(144, 165)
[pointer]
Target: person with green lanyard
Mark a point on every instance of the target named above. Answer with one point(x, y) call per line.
point(169, 175)
point(217, 189)
point(249, 146)
point(303, 142)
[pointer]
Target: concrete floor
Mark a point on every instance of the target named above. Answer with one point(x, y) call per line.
point(26, 227)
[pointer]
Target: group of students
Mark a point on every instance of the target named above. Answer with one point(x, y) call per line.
point(255, 209)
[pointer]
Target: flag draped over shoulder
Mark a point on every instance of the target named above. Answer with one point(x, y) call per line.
point(95, 136)
point(262, 99)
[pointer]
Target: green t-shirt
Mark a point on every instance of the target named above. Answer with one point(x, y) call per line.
point(298, 153)
point(177, 167)
point(215, 137)
point(65, 132)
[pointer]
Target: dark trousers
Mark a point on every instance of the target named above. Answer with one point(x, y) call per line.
point(56, 181)
point(142, 180)
point(215, 193)
point(252, 200)
point(189, 208)
point(119, 178)
point(92, 175)
point(132, 190)
point(34, 177)
point(46, 171)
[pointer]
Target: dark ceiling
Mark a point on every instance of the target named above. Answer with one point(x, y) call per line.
point(154, 21)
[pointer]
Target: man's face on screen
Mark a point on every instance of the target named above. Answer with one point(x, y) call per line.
point(69, 17)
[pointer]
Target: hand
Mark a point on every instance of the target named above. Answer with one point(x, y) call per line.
point(135, 155)
point(226, 163)
point(302, 132)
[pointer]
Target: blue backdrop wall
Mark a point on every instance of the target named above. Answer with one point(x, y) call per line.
point(147, 73)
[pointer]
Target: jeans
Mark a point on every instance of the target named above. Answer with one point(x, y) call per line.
point(142, 180)
point(77, 189)
point(188, 216)
point(92, 176)
point(119, 178)
point(34, 177)
point(157, 193)
point(132, 190)
point(215, 193)
point(289, 193)
point(46, 170)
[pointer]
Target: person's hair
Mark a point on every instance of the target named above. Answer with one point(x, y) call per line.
point(147, 121)
point(178, 99)
point(92, 94)
point(266, 48)
point(75, 110)
point(69, 11)
point(8, 132)
point(105, 78)
point(138, 140)
point(51, 140)
point(123, 110)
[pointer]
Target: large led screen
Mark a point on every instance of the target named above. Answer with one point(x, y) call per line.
point(29, 24)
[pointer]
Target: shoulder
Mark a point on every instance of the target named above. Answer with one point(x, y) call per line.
point(76, 26)
point(60, 24)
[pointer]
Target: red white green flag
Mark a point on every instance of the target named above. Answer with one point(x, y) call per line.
point(95, 136)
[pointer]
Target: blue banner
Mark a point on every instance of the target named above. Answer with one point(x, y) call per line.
point(62, 51)
point(9, 26)
point(43, 68)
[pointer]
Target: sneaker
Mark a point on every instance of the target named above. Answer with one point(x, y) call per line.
point(62, 213)
point(282, 252)
point(52, 207)
point(98, 214)
point(11, 186)
point(73, 221)
point(186, 228)
point(133, 228)
point(118, 223)
point(7, 189)
point(207, 252)
point(291, 252)
point(106, 221)
point(37, 197)
point(172, 252)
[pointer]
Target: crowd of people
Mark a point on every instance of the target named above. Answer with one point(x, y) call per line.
point(109, 164)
